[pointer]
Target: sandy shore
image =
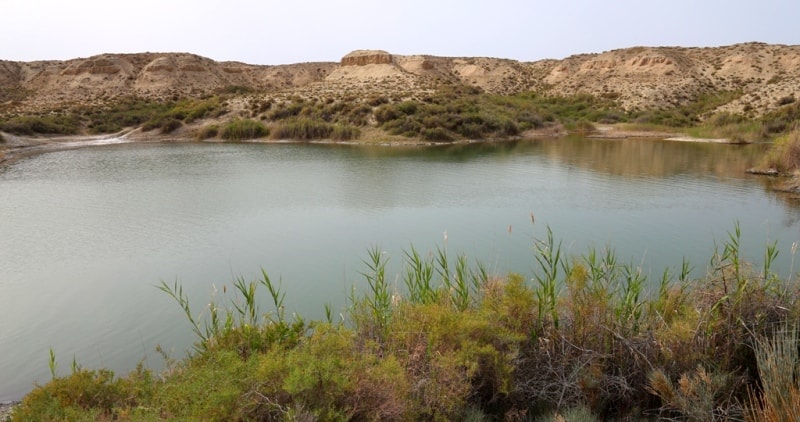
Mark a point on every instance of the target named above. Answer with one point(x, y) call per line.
point(706, 140)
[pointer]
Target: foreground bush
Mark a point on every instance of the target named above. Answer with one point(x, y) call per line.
point(586, 336)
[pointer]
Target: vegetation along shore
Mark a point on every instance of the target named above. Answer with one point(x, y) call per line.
point(586, 338)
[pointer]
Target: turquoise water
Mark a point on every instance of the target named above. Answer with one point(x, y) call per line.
point(88, 233)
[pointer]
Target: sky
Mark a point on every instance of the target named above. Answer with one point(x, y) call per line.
point(282, 32)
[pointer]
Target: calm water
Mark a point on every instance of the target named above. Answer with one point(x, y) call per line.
point(87, 233)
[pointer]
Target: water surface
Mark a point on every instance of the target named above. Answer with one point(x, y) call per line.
point(87, 233)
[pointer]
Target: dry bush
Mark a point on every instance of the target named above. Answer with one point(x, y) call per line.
point(785, 153)
point(207, 132)
point(698, 396)
point(779, 370)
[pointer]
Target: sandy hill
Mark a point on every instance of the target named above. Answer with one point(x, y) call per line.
point(639, 77)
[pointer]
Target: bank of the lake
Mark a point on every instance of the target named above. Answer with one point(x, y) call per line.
point(17, 147)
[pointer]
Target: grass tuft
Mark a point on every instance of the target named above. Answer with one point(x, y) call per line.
point(243, 129)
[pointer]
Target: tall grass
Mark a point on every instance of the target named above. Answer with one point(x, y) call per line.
point(237, 322)
point(307, 129)
point(784, 156)
point(549, 258)
point(242, 129)
point(584, 333)
point(779, 372)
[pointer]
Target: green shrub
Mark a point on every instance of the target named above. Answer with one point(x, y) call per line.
point(241, 129)
point(686, 114)
point(189, 111)
point(41, 125)
point(465, 113)
point(332, 377)
point(97, 393)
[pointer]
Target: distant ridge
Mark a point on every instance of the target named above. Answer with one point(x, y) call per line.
point(637, 77)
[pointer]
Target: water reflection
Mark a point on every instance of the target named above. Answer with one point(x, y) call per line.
point(88, 232)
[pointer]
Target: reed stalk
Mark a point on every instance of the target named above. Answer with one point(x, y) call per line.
point(379, 300)
point(548, 256)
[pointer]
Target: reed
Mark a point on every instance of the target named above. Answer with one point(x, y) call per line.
point(379, 298)
point(548, 256)
point(242, 129)
point(418, 277)
point(583, 332)
point(306, 129)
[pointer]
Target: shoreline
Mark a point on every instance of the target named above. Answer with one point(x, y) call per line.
point(20, 147)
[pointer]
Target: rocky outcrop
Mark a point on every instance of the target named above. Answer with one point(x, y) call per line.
point(9, 74)
point(94, 67)
point(365, 57)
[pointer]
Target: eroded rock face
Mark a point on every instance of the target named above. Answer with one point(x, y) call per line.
point(93, 66)
point(365, 57)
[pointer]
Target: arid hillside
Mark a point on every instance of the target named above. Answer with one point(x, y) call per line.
point(761, 75)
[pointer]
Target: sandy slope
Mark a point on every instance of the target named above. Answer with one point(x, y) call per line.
point(638, 77)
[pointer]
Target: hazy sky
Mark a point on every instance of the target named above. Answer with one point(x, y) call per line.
point(278, 31)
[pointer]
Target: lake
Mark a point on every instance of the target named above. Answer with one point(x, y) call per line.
point(88, 233)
